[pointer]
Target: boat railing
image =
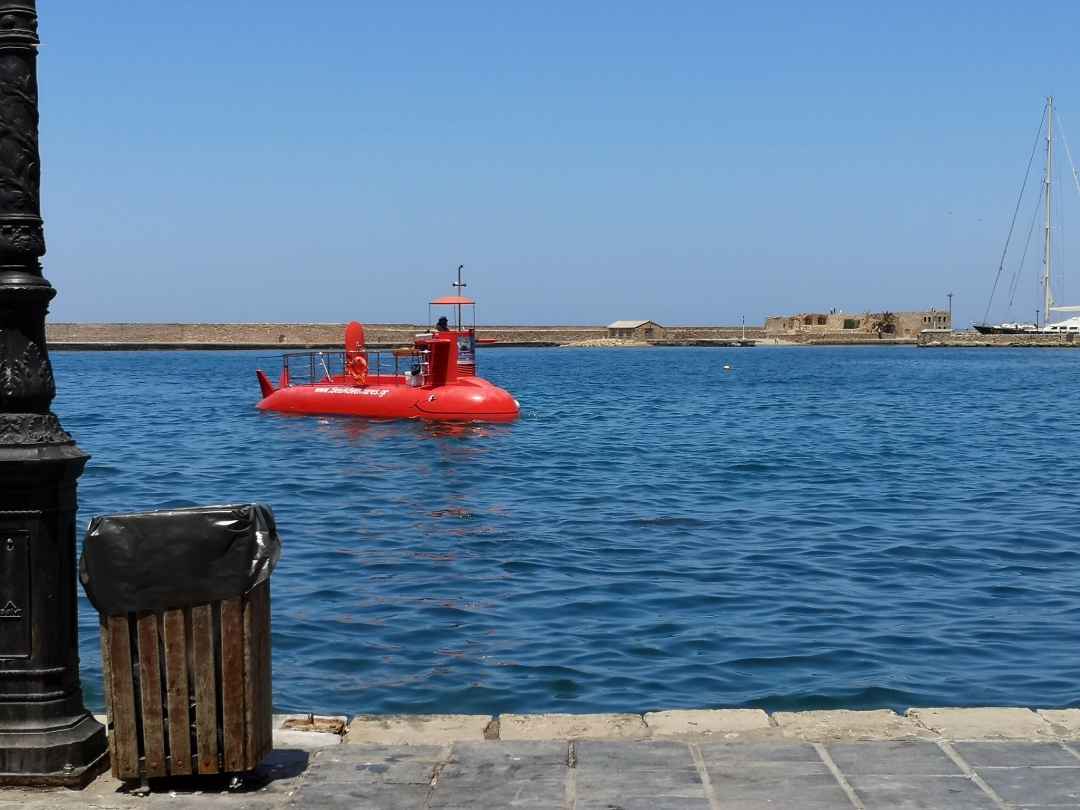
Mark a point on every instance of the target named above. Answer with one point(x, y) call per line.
point(307, 368)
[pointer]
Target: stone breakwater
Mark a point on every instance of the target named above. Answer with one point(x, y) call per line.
point(700, 760)
point(289, 336)
point(285, 336)
point(939, 339)
point(296, 336)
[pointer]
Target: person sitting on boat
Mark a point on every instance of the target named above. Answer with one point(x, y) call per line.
point(356, 364)
point(442, 325)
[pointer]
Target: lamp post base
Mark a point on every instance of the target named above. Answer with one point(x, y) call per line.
point(47, 737)
point(54, 757)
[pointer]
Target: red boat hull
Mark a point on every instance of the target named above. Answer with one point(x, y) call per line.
point(467, 399)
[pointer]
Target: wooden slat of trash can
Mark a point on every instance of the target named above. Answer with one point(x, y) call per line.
point(153, 715)
point(123, 733)
point(257, 698)
point(232, 686)
point(189, 691)
point(252, 686)
point(178, 702)
point(204, 678)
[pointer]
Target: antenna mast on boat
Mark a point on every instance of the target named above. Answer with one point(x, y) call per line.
point(1048, 297)
point(459, 285)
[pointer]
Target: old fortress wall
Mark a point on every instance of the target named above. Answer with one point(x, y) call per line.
point(854, 327)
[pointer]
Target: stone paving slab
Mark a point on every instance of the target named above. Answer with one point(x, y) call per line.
point(417, 729)
point(572, 727)
point(306, 740)
point(644, 803)
point(1065, 722)
point(1033, 787)
point(760, 789)
point(508, 774)
point(770, 774)
point(842, 724)
point(637, 774)
point(544, 752)
point(888, 792)
point(893, 758)
point(983, 724)
point(362, 776)
point(1016, 754)
point(783, 752)
point(392, 765)
point(656, 755)
point(721, 722)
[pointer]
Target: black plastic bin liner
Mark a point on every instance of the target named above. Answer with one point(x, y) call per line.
point(177, 558)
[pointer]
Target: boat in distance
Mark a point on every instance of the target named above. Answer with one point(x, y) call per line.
point(1005, 328)
point(1069, 325)
point(434, 380)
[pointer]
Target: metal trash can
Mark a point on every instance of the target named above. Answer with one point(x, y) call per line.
point(184, 601)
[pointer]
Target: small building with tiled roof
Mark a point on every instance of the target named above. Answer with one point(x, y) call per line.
point(636, 330)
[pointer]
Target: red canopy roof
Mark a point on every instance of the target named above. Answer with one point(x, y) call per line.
point(453, 299)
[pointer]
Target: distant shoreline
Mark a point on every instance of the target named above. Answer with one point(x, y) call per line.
point(291, 337)
point(285, 337)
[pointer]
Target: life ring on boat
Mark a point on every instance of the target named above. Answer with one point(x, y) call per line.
point(358, 366)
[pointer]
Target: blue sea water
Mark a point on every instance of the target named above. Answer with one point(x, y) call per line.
point(817, 527)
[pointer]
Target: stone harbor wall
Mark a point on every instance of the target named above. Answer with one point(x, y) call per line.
point(713, 332)
point(847, 339)
point(935, 338)
point(326, 335)
point(281, 335)
point(293, 336)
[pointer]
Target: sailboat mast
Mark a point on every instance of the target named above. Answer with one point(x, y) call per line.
point(1048, 298)
point(459, 285)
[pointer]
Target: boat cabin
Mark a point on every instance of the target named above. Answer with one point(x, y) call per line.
point(1069, 325)
point(443, 354)
point(457, 326)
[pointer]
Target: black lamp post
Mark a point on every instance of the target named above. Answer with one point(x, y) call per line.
point(46, 734)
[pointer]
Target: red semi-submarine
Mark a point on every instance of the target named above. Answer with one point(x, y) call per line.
point(434, 380)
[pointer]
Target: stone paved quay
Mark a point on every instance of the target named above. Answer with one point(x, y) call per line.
point(946, 759)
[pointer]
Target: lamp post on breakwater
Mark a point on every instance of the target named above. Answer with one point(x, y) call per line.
point(46, 734)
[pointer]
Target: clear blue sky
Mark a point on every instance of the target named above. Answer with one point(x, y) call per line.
point(232, 160)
